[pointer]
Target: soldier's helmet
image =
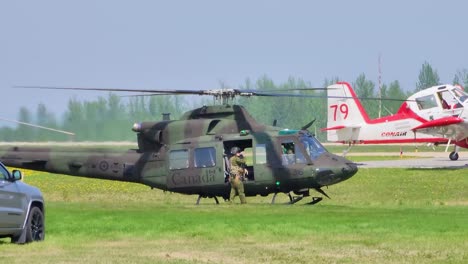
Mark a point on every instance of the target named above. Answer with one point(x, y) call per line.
point(235, 150)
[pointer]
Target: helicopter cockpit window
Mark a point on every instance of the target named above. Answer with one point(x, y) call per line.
point(312, 146)
point(288, 155)
point(426, 102)
point(179, 159)
point(204, 157)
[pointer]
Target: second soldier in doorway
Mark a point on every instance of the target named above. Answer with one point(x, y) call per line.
point(237, 174)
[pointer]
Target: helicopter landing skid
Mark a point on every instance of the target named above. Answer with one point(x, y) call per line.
point(199, 198)
point(295, 199)
point(314, 200)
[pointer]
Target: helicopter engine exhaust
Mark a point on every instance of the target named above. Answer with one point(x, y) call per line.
point(149, 134)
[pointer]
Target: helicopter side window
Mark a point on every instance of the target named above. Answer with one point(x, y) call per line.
point(204, 157)
point(426, 102)
point(179, 159)
point(260, 154)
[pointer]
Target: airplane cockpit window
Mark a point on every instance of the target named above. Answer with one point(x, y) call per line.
point(426, 102)
point(446, 99)
point(179, 159)
point(312, 146)
point(460, 94)
point(204, 157)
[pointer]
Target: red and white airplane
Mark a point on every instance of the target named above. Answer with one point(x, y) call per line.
point(433, 115)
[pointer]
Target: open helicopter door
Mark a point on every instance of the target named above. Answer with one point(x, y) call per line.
point(246, 147)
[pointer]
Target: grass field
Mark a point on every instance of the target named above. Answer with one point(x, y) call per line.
point(378, 216)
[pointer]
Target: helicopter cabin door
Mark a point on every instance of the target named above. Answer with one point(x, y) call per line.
point(194, 167)
point(245, 146)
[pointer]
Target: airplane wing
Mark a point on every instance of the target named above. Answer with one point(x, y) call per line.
point(451, 127)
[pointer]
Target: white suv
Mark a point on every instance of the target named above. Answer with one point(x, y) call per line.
point(21, 209)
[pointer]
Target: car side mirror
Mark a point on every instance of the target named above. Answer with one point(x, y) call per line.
point(16, 175)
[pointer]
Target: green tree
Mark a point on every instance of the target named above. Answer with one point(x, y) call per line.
point(394, 91)
point(24, 132)
point(427, 77)
point(365, 89)
point(74, 119)
point(47, 119)
point(461, 78)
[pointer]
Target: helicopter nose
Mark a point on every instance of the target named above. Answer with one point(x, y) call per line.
point(343, 169)
point(348, 170)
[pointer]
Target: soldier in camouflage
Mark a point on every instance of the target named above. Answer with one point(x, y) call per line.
point(237, 175)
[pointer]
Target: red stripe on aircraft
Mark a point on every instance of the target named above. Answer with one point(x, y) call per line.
point(445, 121)
point(332, 128)
point(403, 113)
point(396, 141)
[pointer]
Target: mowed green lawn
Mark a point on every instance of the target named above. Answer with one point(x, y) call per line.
point(378, 216)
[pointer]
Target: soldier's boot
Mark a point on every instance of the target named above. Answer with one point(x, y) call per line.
point(232, 195)
point(242, 198)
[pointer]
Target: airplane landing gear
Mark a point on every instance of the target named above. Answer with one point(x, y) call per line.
point(454, 154)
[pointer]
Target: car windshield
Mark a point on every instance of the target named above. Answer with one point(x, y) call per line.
point(3, 173)
point(312, 146)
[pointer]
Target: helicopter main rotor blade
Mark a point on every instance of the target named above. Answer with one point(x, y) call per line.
point(305, 89)
point(267, 94)
point(201, 92)
point(218, 93)
point(38, 126)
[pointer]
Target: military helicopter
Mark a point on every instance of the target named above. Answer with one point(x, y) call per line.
point(190, 155)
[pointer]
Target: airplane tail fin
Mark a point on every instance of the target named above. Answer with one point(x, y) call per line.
point(344, 114)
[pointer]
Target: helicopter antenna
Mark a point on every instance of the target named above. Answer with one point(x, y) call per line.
point(308, 124)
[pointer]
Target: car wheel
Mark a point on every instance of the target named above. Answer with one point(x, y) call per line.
point(35, 229)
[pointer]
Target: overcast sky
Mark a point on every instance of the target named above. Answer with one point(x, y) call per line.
point(197, 44)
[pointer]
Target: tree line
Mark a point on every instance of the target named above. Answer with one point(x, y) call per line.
point(110, 118)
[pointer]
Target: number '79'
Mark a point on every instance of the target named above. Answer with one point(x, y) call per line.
point(343, 110)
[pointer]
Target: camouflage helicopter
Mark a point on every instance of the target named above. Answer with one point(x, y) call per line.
point(190, 155)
